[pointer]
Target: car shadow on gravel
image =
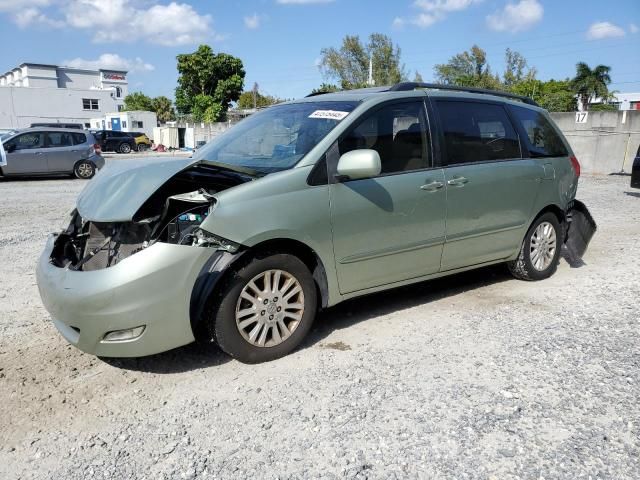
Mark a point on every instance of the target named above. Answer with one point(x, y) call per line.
point(179, 360)
point(352, 312)
point(633, 194)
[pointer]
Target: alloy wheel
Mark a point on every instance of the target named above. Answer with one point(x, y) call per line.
point(270, 308)
point(542, 247)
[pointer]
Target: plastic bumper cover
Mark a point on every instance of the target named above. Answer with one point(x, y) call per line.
point(152, 288)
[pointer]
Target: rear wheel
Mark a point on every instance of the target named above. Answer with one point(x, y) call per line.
point(124, 148)
point(265, 310)
point(540, 251)
point(84, 170)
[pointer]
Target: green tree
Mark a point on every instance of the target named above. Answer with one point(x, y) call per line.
point(516, 69)
point(219, 77)
point(138, 101)
point(246, 100)
point(163, 108)
point(418, 77)
point(553, 95)
point(464, 68)
point(349, 64)
point(325, 88)
point(589, 84)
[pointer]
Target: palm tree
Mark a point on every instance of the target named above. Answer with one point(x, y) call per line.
point(588, 83)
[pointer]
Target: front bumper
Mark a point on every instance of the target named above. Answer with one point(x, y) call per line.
point(151, 288)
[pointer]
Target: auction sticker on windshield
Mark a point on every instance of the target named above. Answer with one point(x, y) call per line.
point(332, 114)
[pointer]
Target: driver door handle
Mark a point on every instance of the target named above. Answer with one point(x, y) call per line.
point(432, 186)
point(457, 181)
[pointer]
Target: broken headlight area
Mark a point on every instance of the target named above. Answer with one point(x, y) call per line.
point(173, 214)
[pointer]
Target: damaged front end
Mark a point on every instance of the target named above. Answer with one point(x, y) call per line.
point(581, 227)
point(172, 214)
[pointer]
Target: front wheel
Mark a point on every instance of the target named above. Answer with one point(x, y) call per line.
point(266, 309)
point(84, 170)
point(540, 251)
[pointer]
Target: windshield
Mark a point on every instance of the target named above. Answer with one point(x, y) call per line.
point(276, 138)
point(5, 135)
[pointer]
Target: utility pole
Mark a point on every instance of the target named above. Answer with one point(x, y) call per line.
point(255, 95)
point(370, 81)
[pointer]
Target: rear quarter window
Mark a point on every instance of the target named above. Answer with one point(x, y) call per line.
point(542, 138)
point(79, 138)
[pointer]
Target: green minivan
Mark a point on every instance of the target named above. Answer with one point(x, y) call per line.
point(306, 204)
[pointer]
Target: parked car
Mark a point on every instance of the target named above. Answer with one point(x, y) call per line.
point(47, 151)
point(304, 205)
point(115, 141)
point(635, 171)
point(142, 141)
point(78, 126)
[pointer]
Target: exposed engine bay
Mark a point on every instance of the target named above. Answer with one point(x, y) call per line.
point(173, 214)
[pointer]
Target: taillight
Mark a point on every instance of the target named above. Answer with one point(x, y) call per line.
point(98, 149)
point(575, 164)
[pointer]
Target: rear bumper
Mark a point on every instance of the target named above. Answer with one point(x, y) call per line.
point(98, 161)
point(581, 229)
point(152, 288)
point(635, 173)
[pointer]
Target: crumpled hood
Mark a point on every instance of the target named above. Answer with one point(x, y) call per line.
point(117, 192)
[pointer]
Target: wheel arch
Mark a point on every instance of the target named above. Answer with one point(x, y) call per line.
point(557, 211)
point(217, 271)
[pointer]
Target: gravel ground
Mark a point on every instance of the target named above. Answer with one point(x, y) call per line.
point(474, 376)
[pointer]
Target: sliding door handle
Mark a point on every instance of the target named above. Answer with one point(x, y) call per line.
point(457, 181)
point(432, 186)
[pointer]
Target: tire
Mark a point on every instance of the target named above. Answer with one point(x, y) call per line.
point(124, 148)
point(142, 147)
point(283, 333)
point(532, 267)
point(84, 170)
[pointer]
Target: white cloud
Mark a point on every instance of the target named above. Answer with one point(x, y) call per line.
point(252, 22)
point(122, 21)
point(302, 2)
point(433, 11)
point(18, 5)
point(32, 15)
point(516, 17)
point(633, 28)
point(601, 30)
point(111, 61)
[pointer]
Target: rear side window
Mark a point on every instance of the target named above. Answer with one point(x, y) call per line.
point(542, 138)
point(477, 132)
point(58, 139)
point(397, 132)
point(79, 138)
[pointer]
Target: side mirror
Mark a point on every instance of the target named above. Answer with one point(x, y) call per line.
point(358, 164)
point(10, 148)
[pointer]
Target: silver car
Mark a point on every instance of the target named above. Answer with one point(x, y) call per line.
point(50, 151)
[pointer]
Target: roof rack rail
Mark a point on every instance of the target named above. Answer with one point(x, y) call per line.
point(406, 86)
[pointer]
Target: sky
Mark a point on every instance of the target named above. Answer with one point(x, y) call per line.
point(280, 41)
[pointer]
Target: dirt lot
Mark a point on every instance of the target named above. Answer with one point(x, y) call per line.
point(475, 376)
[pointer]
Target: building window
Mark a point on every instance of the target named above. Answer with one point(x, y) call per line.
point(90, 104)
point(118, 92)
point(124, 124)
point(120, 108)
point(87, 125)
point(137, 124)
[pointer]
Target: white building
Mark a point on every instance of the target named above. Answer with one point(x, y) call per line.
point(37, 93)
point(624, 101)
point(131, 121)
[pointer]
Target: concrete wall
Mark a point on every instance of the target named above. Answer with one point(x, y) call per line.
point(20, 107)
point(606, 143)
point(78, 79)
